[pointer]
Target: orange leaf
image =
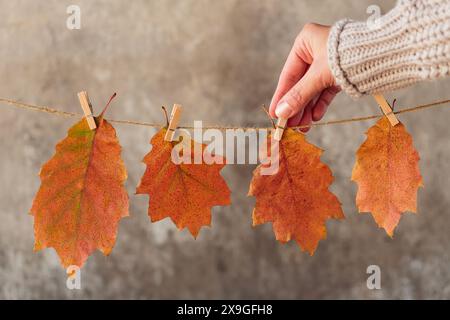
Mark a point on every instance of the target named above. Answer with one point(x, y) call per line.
point(82, 197)
point(183, 192)
point(296, 198)
point(387, 173)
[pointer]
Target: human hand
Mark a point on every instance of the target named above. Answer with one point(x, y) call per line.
point(306, 86)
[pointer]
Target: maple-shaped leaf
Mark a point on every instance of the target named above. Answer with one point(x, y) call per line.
point(184, 192)
point(81, 198)
point(296, 198)
point(387, 173)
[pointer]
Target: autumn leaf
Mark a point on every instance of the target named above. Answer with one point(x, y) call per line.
point(184, 192)
point(81, 198)
point(387, 173)
point(296, 198)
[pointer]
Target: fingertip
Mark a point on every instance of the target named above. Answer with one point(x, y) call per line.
point(284, 110)
point(306, 121)
point(317, 115)
point(320, 108)
point(295, 120)
point(305, 130)
point(306, 124)
point(272, 107)
point(323, 103)
point(272, 111)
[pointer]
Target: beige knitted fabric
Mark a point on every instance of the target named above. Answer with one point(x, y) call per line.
point(409, 44)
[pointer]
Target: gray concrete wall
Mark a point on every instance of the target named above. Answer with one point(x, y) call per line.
point(220, 59)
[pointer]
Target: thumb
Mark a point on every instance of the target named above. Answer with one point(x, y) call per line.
point(296, 99)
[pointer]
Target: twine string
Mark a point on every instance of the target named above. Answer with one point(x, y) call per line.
point(50, 110)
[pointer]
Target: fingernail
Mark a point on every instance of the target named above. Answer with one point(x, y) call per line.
point(284, 110)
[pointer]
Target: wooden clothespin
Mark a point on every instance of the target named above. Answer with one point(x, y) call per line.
point(387, 110)
point(279, 130)
point(173, 122)
point(87, 109)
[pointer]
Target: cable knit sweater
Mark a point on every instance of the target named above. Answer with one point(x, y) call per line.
point(409, 44)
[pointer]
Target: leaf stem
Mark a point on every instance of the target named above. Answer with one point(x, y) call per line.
point(108, 104)
point(106, 108)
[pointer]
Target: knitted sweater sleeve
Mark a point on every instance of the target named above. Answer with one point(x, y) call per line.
point(409, 44)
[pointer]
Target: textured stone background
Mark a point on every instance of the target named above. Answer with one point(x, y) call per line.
point(221, 59)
